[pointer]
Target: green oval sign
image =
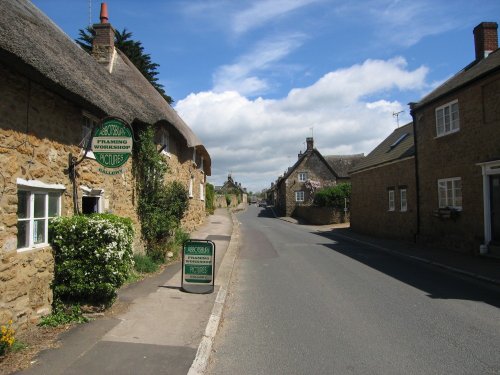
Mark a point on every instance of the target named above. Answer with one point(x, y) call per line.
point(112, 143)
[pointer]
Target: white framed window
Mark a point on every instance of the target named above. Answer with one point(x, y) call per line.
point(35, 207)
point(302, 176)
point(201, 163)
point(164, 141)
point(447, 119)
point(194, 155)
point(403, 200)
point(191, 188)
point(450, 192)
point(89, 122)
point(202, 192)
point(392, 200)
point(299, 196)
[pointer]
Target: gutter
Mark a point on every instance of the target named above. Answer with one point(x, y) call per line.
point(417, 180)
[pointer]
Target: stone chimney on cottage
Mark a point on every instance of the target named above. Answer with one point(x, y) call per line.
point(485, 39)
point(103, 46)
point(310, 143)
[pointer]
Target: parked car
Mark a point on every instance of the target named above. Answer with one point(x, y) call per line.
point(262, 204)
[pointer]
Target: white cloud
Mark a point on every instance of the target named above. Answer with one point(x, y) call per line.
point(242, 75)
point(265, 11)
point(258, 139)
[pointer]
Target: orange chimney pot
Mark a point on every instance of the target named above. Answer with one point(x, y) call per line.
point(104, 13)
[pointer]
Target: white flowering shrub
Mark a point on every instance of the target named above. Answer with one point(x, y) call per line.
point(93, 257)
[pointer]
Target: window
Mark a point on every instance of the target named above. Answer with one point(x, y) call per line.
point(34, 210)
point(447, 120)
point(402, 199)
point(164, 141)
point(194, 155)
point(201, 163)
point(89, 122)
point(202, 192)
point(91, 200)
point(299, 196)
point(450, 192)
point(302, 176)
point(191, 187)
point(392, 203)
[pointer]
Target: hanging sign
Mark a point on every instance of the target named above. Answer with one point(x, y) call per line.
point(198, 266)
point(112, 145)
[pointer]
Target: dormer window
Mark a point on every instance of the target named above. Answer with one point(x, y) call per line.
point(447, 119)
point(163, 139)
point(194, 155)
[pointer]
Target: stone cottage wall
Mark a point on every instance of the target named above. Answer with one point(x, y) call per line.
point(316, 170)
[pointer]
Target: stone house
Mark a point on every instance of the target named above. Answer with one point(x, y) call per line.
point(234, 190)
point(311, 171)
point(383, 200)
point(457, 139)
point(53, 93)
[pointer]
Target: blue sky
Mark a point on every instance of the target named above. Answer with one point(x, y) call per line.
point(255, 78)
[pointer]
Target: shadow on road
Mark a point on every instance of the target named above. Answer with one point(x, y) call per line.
point(436, 282)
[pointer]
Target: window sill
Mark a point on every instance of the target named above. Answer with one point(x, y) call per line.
point(446, 134)
point(34, 248)
point(166, 153)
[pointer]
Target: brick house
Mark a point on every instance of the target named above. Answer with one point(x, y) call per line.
point(457, 139)
point(53, 93)
point(294, 187)
point(383, 200)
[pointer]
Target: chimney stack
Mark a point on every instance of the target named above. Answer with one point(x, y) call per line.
point(103, 47)
point(485, 39)
point(310, 143)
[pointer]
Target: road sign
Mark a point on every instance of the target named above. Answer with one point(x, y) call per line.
point(198, 266)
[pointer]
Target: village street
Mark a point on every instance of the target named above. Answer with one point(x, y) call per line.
point(309, 302)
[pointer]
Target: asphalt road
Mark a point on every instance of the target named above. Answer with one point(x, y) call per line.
point(302, 302)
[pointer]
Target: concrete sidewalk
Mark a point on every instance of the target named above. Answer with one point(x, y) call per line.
point(478, 267)
point(160, 329)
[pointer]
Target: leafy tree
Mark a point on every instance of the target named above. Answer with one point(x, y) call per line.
point(333, 196)
point(133, 50)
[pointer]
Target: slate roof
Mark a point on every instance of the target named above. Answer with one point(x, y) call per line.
point(469, 74)
point(342, 164)
point(399, 145)
point(36, 47)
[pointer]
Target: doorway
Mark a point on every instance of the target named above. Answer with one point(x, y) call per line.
point(495, 208)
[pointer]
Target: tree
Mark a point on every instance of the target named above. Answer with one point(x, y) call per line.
point(133, 50)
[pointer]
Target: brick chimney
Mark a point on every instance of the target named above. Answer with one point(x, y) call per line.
point(103, 47)
point(310, 143)
point(485, 39)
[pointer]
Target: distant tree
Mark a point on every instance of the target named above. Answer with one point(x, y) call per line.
point(133, 50)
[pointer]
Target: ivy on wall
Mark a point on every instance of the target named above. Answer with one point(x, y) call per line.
point(160, 206)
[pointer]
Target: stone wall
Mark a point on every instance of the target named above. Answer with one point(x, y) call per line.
point(316, 170)
point(457, 155)
point(321, 215)
point(370, 201)
point(220, 200)
point(38, 132)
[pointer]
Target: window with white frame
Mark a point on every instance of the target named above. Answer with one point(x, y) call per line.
point(392, 200)
point(447, 119)
point(191, 187)
point(450, 192)
point(164, 141)
point(202, 192)
point(34, 210)
point(403, 200)
point(299, 196)
point(302, 176)
point(194, 155)
point(89, 122)
point(201, 163)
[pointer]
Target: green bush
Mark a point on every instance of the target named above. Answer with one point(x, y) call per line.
point(210, 198)
point(333, 196)
point(228, 200)
point(62, 314)
point(145, 264)
point(93, 257)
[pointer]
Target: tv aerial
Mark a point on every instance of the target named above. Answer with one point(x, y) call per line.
point(396, 114)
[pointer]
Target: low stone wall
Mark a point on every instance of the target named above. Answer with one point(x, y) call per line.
point(321, 215)
point(25, 279)
point(220, 201)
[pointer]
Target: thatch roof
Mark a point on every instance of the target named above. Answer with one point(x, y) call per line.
point(33, 45)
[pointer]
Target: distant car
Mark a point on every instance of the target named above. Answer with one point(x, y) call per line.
point(262, 204)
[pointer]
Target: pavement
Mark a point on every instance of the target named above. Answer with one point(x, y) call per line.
point(158, 329)
point(486, 269)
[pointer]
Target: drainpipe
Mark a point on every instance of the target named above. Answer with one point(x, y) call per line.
point(417, 180)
